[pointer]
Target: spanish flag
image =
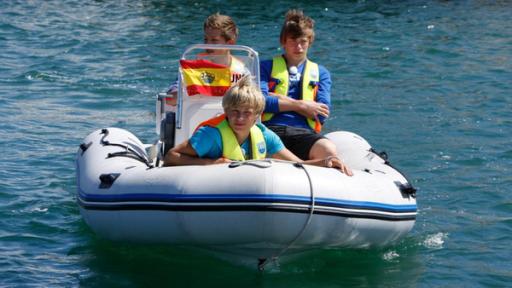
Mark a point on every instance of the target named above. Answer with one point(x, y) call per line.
point(205, 77)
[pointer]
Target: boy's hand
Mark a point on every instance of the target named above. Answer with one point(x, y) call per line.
point(335, 162)
point(222, 160)
point(312, 109)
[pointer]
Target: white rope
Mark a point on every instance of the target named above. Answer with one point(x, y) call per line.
point(266, 163)
point(262, 264)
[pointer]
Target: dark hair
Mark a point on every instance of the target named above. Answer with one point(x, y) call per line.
point(297, 25)
point(224, 23)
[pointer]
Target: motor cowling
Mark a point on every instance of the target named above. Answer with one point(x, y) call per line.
point(167, 131)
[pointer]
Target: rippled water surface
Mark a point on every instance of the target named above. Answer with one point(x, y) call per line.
point(429, 82)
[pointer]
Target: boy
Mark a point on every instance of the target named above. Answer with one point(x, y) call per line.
point(297, 92)
point(235, 136)
point(218, 29)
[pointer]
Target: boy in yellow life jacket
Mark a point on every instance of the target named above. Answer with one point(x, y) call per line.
point(218, 29)
point(235, 135)
point(297, 92)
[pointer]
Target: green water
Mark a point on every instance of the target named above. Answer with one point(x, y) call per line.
point(427, 81)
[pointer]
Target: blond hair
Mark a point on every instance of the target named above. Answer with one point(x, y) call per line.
point(224, 23)
point(244, 93)
point(297, 25)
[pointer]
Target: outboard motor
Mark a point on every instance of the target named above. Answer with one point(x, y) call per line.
point(167, 131)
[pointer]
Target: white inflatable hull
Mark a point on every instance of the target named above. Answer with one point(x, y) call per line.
point(256, 209)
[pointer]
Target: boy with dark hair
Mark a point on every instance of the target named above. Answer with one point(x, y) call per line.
point(297, 93)
point(218, 29)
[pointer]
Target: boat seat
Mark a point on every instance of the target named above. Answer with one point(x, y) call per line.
point(202, 81)
point(197, 109)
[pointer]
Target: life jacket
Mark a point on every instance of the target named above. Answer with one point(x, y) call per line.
point(279, 84)
point(230, 147)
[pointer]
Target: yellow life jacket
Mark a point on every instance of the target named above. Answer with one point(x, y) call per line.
point(279, 84)
point(230, 147)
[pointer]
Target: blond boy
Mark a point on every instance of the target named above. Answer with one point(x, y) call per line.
point(235, 135)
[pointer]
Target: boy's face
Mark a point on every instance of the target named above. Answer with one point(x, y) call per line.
point(214, 36)
point(241, 119)
point(296, 48)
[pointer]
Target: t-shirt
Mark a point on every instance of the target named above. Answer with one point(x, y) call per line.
point(207, 142)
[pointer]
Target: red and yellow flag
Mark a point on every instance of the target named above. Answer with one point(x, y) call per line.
point(205, 77)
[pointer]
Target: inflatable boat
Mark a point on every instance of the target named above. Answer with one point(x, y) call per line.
point(259, 209)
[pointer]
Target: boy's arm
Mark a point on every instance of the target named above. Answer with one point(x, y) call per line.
point(329, 162)
point(275, 103)
point(324, 90)
point(184, 154)
point(271, 99)
point(308, 109)
point(173, 92)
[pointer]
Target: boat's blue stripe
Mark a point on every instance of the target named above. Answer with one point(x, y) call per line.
point(180, 198)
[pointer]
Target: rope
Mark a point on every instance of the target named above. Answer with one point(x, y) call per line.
point(263, 262)
point(265, 163)
point(130, 153)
